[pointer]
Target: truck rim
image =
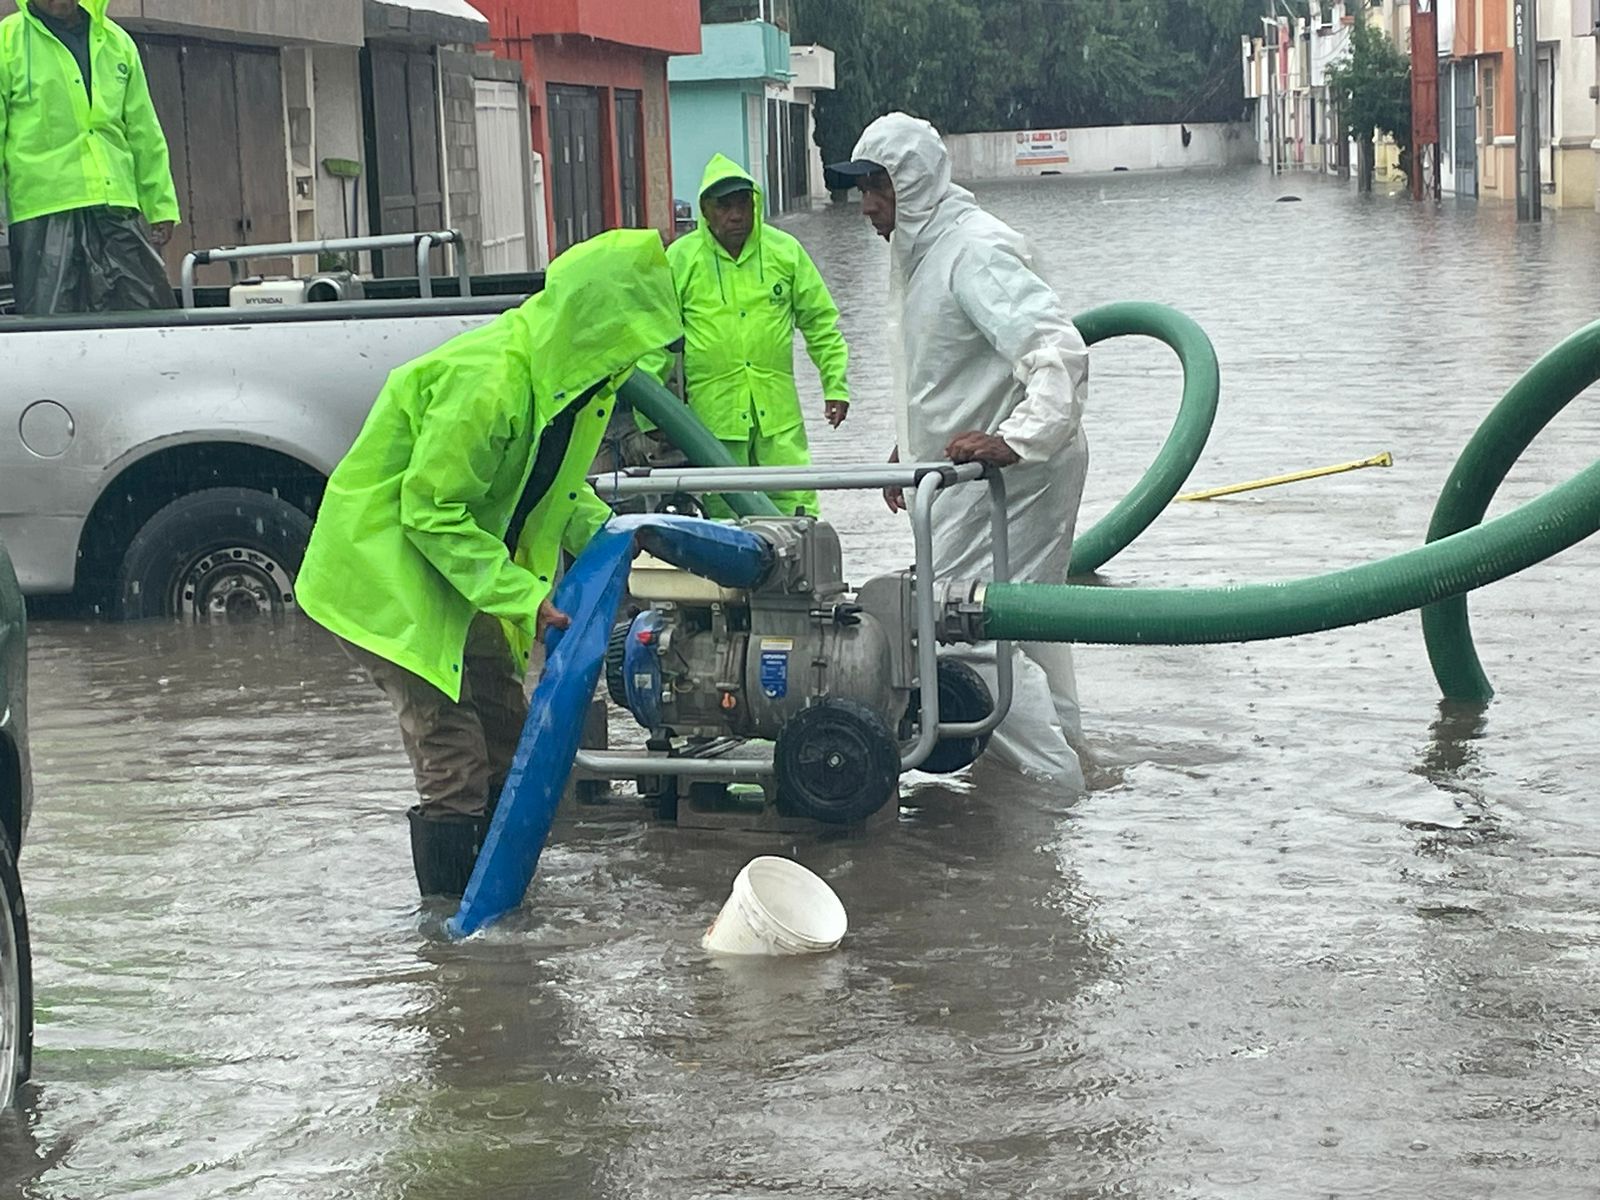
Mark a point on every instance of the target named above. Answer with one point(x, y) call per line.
point(234, 583)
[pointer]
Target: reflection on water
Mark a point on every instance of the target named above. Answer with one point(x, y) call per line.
point(1314, 935)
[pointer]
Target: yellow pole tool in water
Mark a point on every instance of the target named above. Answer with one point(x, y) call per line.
point(1377, 460)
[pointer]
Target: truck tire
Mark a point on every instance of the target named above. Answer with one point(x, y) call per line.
point(217, 555)
point(16, 978)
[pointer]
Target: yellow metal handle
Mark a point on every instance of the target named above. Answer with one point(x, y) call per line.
point(1377, 460)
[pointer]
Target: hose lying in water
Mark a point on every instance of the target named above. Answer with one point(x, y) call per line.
point(1461, 555)
point(1448, 566)
point(685, 431)
point(1202, 382)
point(1554, 381)
point(1436, 577)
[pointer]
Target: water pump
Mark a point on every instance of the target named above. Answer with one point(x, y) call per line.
point(828, 674)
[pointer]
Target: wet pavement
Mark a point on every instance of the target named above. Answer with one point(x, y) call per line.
point(1310, 936)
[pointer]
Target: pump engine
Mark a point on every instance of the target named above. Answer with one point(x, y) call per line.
point(827, 673)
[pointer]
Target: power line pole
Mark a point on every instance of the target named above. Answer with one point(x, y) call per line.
point(1525, 25)
point(1273, 50)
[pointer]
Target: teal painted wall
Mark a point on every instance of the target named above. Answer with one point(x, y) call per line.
point(745, 50)
point(707, 119)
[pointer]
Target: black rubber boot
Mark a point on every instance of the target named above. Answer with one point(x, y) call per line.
point(444, 850)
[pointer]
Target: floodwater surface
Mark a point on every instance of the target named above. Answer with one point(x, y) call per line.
point(1311, 934)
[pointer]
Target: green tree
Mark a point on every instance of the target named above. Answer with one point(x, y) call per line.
point(970, 65)
point(842, 26)
point(1373, 87)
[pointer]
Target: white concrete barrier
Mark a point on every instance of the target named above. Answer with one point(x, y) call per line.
point(1025, 153)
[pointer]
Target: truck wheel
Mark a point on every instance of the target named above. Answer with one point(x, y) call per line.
point(963, 696)
point(16, 978)
point(217, 555)
point(836, 761)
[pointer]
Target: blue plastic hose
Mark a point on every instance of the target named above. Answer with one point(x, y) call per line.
point(590, 593)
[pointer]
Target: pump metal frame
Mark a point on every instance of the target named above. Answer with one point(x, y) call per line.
point(925, 481)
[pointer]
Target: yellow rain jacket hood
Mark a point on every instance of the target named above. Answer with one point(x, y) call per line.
point(410, 541)
point(60, 147)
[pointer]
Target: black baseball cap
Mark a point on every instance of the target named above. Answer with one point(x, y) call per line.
point(842, 176)
point(727, 186)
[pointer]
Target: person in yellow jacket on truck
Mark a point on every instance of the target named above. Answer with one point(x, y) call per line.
point(84, 163)
point(743, 289)
point(437, 541)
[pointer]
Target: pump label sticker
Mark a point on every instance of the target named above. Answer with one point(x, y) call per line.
point(775, 667)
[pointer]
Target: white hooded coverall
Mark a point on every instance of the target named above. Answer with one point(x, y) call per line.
point(978, 341)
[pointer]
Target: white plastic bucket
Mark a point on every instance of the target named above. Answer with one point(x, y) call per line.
point(777, 908)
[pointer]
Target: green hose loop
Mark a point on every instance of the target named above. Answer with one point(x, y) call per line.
point(685, 431)
point(1555, 380)
point(1450, 566)
point(1116, 530)
point(1202, 382)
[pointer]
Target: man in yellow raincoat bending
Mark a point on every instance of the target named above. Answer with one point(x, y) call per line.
point(440, 531)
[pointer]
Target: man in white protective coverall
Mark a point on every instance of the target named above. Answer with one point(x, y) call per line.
point(986, 367)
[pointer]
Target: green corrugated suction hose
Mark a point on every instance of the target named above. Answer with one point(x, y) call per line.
point(1506, 432)
point(685, 431)
point(1451, 564)
point(1202, 382)
point(1186, 616)
point(1461, 553)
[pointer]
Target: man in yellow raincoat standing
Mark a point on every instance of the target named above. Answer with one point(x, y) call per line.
point(744, 288)
point(440, 531)
point(83, 159)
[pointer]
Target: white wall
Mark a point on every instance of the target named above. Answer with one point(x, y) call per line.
point(1135, 147)
point(337, 80)
point(1575, 68)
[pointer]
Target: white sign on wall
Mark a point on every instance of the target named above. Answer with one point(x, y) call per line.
point(1043, 148)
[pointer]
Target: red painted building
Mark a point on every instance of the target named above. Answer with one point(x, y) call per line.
point(597, 82)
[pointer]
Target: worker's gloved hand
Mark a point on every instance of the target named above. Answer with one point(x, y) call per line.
point(550, 617)
point(835, 411)
point(161, 233)
point(981, 447)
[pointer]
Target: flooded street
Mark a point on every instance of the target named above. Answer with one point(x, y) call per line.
point(1309, 936)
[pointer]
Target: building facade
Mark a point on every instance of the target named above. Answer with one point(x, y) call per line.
point(309, 122)
point(596, 79)
point(748, 94)
point(1286, 72)
point(1479, 80)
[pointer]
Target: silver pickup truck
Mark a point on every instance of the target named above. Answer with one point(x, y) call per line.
point(170, 463)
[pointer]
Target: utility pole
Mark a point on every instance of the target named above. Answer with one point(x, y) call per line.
point(1525, 26)
point(1272, 113)
point(1270, 44)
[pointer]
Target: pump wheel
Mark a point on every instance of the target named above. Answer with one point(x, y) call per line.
point(836, 761)
point(963, 696)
